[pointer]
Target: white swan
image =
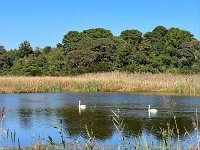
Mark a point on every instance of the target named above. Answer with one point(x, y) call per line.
point(81, 106)
point(153, 111)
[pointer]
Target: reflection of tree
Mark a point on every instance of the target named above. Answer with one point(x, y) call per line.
point(133, 127)
point(100, 122)
point(156, 124)
point(96, 120)
point(25, 115)
point(44, 114)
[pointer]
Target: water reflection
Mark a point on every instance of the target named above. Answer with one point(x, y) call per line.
point(100, 122)
point(38, 112)
point(157, 125)
point(25, 117)
point(97, 121)
point(133, 127)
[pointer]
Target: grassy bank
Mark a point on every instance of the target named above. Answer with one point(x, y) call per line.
point(105, 82)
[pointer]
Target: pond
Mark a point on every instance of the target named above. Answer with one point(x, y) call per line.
point(32, 116)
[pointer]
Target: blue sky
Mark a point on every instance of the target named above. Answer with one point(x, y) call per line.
point(45, 22)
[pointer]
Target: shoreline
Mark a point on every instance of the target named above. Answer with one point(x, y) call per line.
point(156, 84)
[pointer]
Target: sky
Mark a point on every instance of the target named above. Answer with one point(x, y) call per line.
point(45, 22)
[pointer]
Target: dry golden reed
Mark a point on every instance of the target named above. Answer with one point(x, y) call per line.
point(113, 82)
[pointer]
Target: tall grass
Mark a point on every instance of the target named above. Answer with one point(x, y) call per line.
point(105, 82)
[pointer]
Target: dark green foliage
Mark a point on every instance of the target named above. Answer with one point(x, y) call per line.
point(132, 37)
point(124, 56)
point(101, 67)
point(80, 58)
point(98, 33)
point(106, 47)
point(31, 66)
point(176, 37)
point(97, 50)
point(25, 49)
point(47, 49)
point(2, 59)
point(2, 49)
point(71, 37)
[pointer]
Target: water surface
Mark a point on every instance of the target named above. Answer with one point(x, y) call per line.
point(34, 115)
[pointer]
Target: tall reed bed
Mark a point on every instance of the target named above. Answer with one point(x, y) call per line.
point(105, 82)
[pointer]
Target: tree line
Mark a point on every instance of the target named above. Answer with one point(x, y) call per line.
point(97, 50)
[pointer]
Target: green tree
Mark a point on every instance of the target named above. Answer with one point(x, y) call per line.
point(25, 49)
point(71, 37)
point(80, 58)
point(96, 50)
point(28, 66)
point(175, 47)
point(47, 49)
point(57, 64)
point(85, 43)
point(2, 51)
point(10, 57)
point(123, 56)
point(176, 37)
point(132, 37)
point(106, 47)
point(98, 33)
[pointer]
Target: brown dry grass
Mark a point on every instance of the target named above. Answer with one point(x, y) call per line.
point(114, 81)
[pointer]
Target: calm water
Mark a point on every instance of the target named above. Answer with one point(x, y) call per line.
point(35, 114)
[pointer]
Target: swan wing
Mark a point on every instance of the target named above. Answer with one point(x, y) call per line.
point(153, 110)
point(83, 106)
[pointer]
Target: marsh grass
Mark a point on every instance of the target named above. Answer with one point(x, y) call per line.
point(105, 82)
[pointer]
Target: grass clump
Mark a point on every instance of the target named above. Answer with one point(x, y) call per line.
point(55, 88)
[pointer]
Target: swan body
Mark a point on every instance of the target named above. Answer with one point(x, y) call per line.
point(81, 106)
point(153, 111)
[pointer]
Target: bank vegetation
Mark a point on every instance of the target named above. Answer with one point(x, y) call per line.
point(105, 82)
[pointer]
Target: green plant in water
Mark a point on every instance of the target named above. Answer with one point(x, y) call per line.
point(119, 124)
point(60, 130)
point(91, 139)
